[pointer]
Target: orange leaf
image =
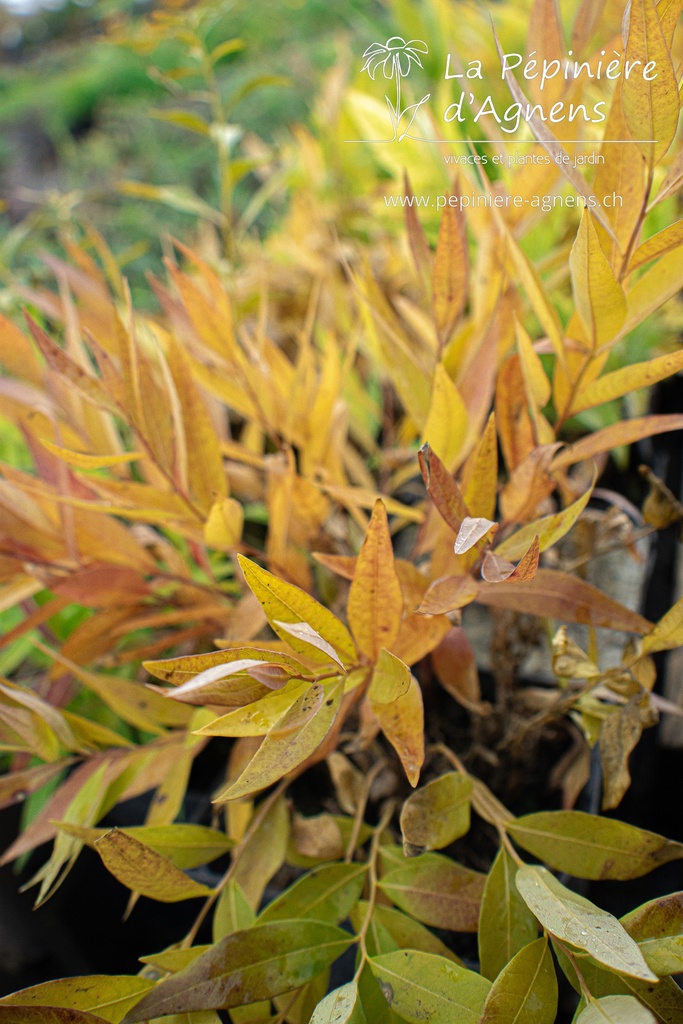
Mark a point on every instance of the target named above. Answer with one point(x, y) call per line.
point(375, 599)
point(402, 722)
point(451, 271)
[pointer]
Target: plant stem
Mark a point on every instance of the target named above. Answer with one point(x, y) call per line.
point(372, 895)
point(254, 825)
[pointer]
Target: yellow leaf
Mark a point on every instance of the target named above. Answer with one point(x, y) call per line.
point(599, 297)
point(481, 482)
point(85, 461)
point(446, 428)
point(294, 738)
point(402, 722)
point(390, 680)
point(619, 175)
point(223, 528)
point(624, 432)
point(375, 600)
point(657, 245)
point(627, 379)
point(650, 100)
point(535, 378)
point(143, 870)
point(536, 294)
point(205, 470)
point(549, 529)
point(283, 602)
point(259, 717)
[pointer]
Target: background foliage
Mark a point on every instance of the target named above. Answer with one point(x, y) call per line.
point(280, 474)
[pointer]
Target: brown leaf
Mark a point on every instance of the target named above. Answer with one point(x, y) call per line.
point(556, 595)
point(619, 734)
point(448, 594)
point(442, 489)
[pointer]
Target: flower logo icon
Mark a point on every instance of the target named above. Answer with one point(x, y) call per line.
point(395, 58)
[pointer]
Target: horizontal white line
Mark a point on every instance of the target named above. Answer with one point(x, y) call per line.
point(511, 142)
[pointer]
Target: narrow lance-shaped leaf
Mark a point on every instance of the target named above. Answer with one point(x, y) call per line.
point(416, 984)
point(650, 100)
point(437, 891)
point(375, 600)
point(247, 967)
point(623, 433)
point(327, 893)
point(450, 273)
point(599, 297)
point(616, 1010)
point(283, 602)
point(447, 423)
point(107, 996)
point(506, 925)
point(549, 529)
point(143, 870)
point(525, 990)
point(442, 488)
point(294, 738)
point(402, 722)
point(588, 846)
point(342, 1006)
point(557, 595)
point(576, 920)
point(657, 927)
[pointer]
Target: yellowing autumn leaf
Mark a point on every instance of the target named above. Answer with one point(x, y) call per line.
point(375, 599)
point(599, 297)
point(446, 428)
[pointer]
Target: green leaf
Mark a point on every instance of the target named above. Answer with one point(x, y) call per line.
point(588, 846)
point(407, 933)
point(232, 912)
point(327, 893)
point(283, 602)
point(109, 997)
point(576, 920)
point(437, 891)
point(142, 870)
point(525, 990)
point(342, 1006)
point(506, 925)
point(657, 927)
point(438, 813)
point(664, 999)
point(247, 967)
point(422, 987)
point(616, 1010)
